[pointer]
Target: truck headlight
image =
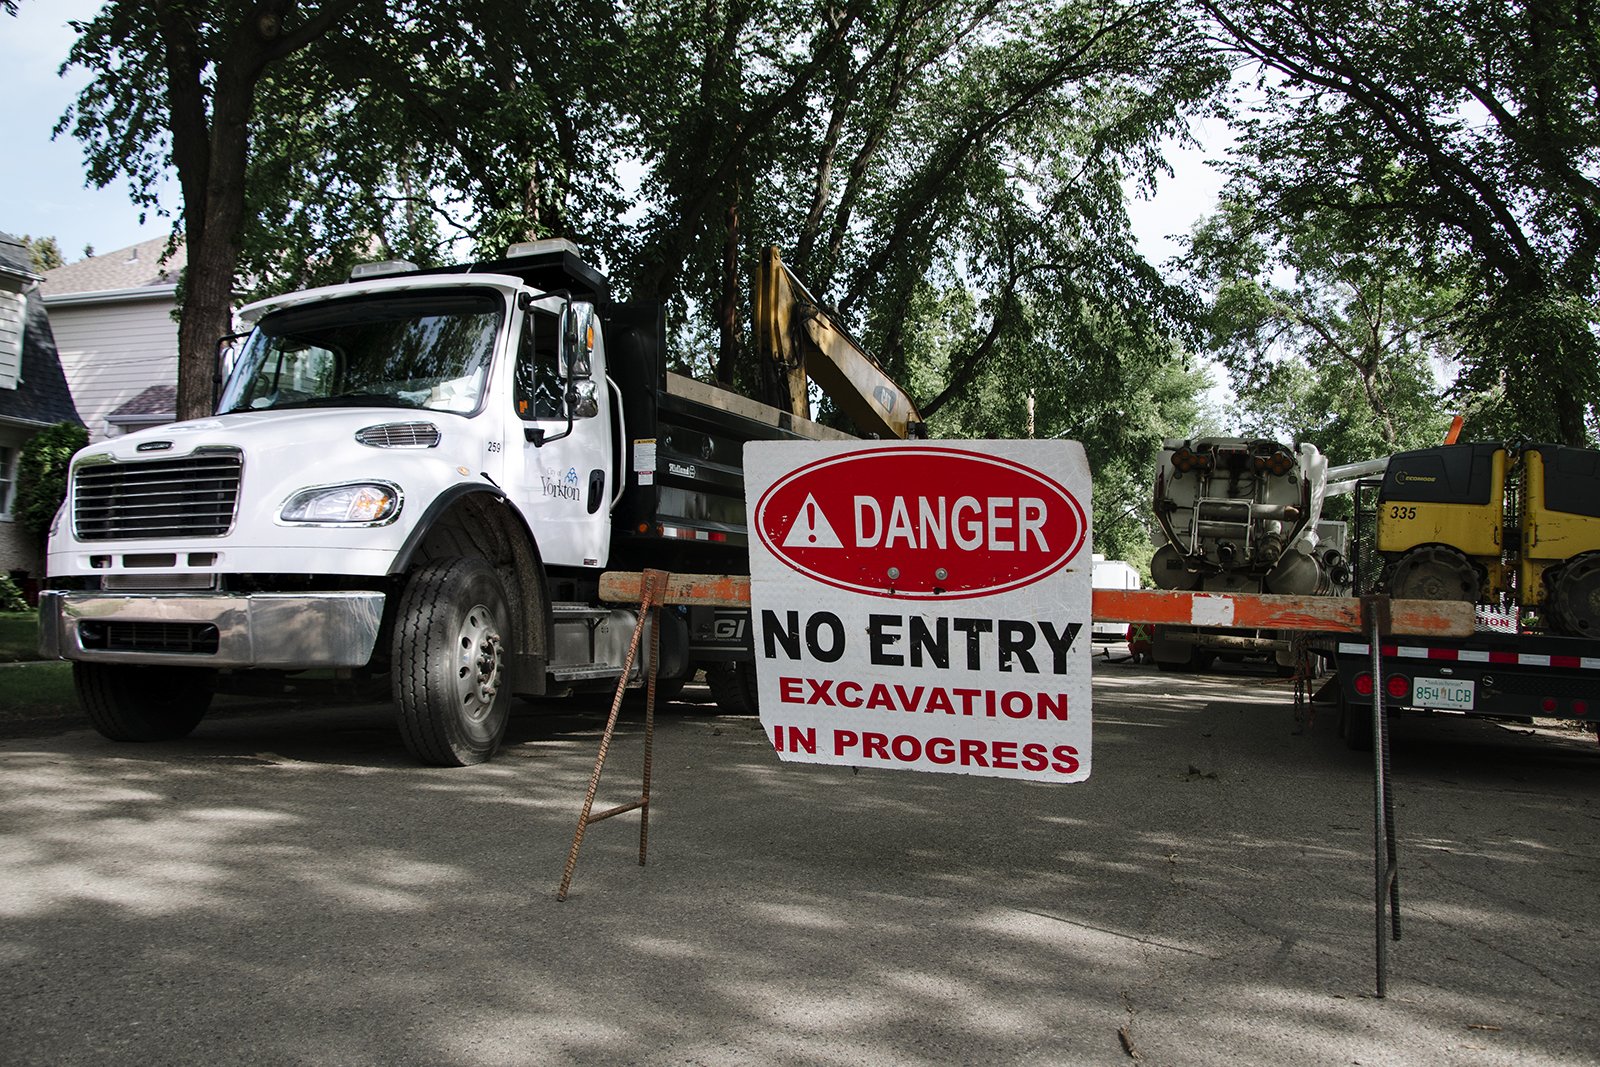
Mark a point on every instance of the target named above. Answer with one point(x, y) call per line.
point(363, 503)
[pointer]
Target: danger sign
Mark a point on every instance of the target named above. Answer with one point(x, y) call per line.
point(923, 606)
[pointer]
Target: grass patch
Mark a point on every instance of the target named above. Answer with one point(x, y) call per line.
point(19, 636)
point(40, 688)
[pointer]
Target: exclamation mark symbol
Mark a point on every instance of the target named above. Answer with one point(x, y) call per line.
point(810, 528)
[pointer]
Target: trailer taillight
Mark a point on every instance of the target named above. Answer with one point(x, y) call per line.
point(1398, 686)
point(1548, 705)
point(1580, 707)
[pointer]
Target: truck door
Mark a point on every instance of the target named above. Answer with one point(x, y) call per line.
point(559, 396)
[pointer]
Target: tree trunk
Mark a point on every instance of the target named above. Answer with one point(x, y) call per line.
point(211, 167)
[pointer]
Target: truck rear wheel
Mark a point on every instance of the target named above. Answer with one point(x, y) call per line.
point(449, 663)
point(1434, 572)
point(1575, 599)
point(128, 702)
point(733, 687)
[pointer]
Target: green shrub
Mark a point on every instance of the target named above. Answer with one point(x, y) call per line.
point(11, 598)
point(42, 475)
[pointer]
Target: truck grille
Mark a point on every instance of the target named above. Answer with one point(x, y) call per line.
point(173, 637)
point(400, 435)
point(190, 497)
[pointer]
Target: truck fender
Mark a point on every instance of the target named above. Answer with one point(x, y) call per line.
point(478, 520)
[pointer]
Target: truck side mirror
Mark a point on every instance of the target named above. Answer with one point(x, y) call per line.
point(583, 398)
point(578, 341)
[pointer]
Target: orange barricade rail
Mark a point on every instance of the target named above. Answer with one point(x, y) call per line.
point(1330, 614)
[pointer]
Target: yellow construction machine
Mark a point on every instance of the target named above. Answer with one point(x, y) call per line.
point(1489, 522)
point(802, 343)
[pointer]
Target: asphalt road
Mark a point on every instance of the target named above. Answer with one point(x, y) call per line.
point(285, 887)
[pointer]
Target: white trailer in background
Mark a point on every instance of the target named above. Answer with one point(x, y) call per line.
point(1113, 574)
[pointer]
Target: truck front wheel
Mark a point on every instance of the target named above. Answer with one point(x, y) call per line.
point(449, 662)
point(126, 702)
point(733, 687)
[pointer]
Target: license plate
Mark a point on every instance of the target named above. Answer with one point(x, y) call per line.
point(1448, 693)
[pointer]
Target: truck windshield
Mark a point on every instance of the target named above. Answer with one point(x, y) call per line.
point(407, 350)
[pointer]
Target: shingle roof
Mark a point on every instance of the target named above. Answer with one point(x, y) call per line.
point(42, 395)
point(135, 267)
point(156, 400)
point(14, 258)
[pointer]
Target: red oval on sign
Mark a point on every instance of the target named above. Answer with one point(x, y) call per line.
point(920, 522)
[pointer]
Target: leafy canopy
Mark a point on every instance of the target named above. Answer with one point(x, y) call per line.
point(1469, 135)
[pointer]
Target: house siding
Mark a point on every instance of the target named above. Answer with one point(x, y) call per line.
point(18, 551)
point(13, 306)
point(110, 352)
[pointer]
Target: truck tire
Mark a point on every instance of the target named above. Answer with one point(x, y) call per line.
point(1574, 596)
point(449, 663)
point(733, 687)
point(126, 702)
point(1434, 572)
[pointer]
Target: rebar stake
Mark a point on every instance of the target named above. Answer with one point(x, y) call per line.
point(653, 588)
point(1386, 897)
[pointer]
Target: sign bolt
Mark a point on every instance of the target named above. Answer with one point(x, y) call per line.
point(941, 574)
point(894, 573)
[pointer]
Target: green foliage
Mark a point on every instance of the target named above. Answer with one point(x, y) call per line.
point(427, 131)
point(44, 252)
point(400, 135)
point(11, 598)
point(1327, 333)
point(42, 475)
point(36, 690)
point(948, 176)
point(1469, 136)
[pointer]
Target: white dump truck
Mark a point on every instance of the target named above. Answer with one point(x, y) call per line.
point(417, 476)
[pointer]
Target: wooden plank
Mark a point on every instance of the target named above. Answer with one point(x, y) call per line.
point(707, 590)
point(1328, 614)
point(1437, 618)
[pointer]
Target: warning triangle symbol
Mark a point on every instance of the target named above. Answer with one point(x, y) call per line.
point(811, 528)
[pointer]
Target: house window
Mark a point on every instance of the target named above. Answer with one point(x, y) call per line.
point(8, 479)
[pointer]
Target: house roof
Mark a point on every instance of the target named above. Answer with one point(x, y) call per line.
point(15, 260)
point(157, 403)
point(137, 267)
point(41, 397)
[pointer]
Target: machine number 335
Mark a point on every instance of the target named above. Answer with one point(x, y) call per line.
point(1397, 511)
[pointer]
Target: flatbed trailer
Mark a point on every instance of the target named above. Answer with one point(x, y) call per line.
point(1503, 676)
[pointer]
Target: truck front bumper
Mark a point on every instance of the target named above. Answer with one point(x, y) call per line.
point(284, 630)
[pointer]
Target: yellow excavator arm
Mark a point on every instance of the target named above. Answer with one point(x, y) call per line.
point(805, 344)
